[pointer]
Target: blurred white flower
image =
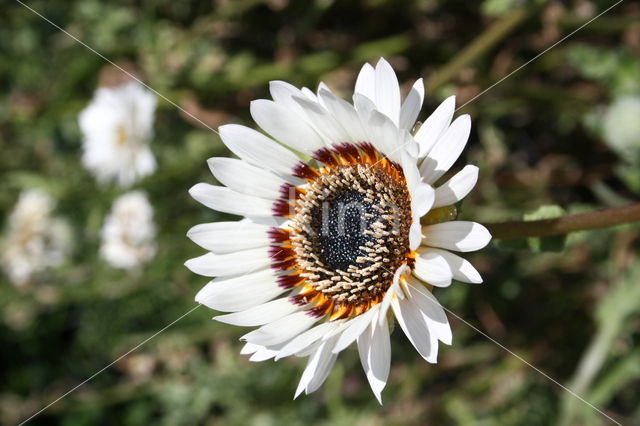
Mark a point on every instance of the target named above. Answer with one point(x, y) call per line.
point(34, 240)
point(128, 232)
point(621, 126)
point(117, 126)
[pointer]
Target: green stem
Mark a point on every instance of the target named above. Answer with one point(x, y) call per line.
point(603, 25)
point(604, 218)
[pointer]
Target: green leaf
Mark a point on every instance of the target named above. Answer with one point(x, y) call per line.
point(495, 8)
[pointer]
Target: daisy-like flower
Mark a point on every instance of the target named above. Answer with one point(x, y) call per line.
point(331, 247)
point(128, 232)
point(117, 127)
point(35, 240)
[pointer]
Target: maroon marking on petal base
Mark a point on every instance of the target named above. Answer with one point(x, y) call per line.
point(289, 192)
point(370, 151)
point(279, 253)
point(278, 235)
point(299, 299)
point(321, 309)
point(282, 208)
point(325, 156)
point(348, 151)
point(284, 265)
point(305, 171)
point(290, 281)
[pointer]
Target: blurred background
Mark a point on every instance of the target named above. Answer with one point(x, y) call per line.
point(561, 135)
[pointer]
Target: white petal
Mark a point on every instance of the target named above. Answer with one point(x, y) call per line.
point(322, 87)
point(309, 349)
point(245, 178)
point(228, 201)
point(433, 268)
point(393, 292)
point(412, 105)
point(366, 82)
point(323, 370)
point(409, 143)
point(281, 330)
point(379, 358)
point(271, 221)
point(232, 294)
point(431, 309)
point(364, 106)
point(422, 198)
point(456, 235)
point(318, 367)
point(375, 351)
point(345, 114)
point(387, 91)
point(447, 150)
point(355, 328)
point(411, 171)
point(364, 347)
point(264, 353)
point(415, 328)
point(435, 125)
point(285, 125)
point(261, 314)
point(415, 234)
point(322, 121)
point(304, 340)
point(258, 149)
point(226, 237)
point(213, 265)
point(249, 348)
point(309, 93)
point(456, 188)
point(385, 136)
point(461, 268)
point(283, 93)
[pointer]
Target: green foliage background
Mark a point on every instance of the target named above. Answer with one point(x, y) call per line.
point(537, 139)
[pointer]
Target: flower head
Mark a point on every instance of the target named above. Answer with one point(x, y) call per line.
point(35, 240)
point(117, 126)
point(128, 232)
point(331, 246)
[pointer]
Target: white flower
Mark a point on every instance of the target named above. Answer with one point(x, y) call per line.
point(35, 240)
point(329, 248)
point(128, 232)
point(117, 126)
point(621, 126)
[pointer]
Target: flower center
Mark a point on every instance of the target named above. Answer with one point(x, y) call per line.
point(349, 229)
point(341, 228)
point(121, 135)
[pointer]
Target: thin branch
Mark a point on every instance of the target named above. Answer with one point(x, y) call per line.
point(604, 218)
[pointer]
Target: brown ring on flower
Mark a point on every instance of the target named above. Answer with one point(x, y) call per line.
point(348, 230)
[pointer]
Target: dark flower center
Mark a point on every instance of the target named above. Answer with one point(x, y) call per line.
point(339, 228)
point(351, 230)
